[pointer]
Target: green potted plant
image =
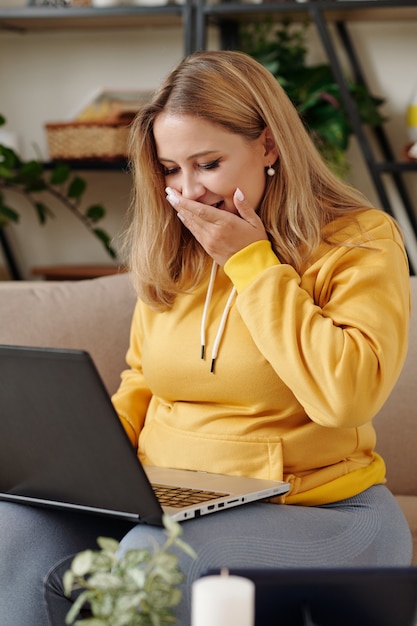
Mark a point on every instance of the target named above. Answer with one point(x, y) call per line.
point(33, 180)
point(139, 588)
point(282, 49)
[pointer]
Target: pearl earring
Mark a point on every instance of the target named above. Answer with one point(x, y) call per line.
point(270, 171)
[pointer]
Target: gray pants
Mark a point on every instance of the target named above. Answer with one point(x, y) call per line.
point(36, 546)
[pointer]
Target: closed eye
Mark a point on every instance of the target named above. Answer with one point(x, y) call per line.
point(168, 171)
point(210, 166)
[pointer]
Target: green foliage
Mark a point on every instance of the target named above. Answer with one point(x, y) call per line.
point(31, 179)
point(282, 50)
point(139, 588)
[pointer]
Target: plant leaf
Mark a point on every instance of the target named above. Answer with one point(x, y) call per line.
point(5, 172)
point(60, 174)
point(76, 188)
point(77, 606)
point(129, 602)
point(81, 563)
point(43, 212)
point(95, 212)
point(9, 158)
point(108, 544)
point(172, 528)
point(103, 580)
point(7, 214)
point(31, 170)
point(106, 241)
point(137, 576)
point(68, 582)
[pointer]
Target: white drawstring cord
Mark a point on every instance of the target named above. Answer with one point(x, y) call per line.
point(221, 328)
point(206, 307)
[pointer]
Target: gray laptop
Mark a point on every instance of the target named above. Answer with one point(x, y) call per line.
point(62, 445)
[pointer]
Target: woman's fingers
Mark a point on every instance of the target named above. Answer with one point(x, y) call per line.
point(221, 233)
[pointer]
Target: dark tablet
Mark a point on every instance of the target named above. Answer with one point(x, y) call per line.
point(334, 597)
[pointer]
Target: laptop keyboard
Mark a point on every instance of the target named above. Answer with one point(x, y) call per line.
point(169, 495)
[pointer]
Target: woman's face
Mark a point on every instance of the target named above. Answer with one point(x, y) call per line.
point(207, 163)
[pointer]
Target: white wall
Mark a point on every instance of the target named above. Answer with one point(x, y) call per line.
point(47, 76)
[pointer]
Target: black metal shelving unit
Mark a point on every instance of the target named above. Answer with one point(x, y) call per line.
point(381, 167)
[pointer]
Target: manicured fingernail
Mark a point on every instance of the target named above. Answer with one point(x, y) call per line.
point(239, 194)
point(171, 197)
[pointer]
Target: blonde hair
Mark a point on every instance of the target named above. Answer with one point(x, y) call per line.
point(236, 92)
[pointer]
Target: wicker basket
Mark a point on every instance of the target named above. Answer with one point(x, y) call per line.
point(88, 140)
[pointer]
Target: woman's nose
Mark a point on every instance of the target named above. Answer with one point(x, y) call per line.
point(192, 187)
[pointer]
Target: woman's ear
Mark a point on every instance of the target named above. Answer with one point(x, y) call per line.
point(271, 150)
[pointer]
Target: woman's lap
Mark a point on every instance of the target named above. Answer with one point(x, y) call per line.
point(368, 530)
point(38, 544)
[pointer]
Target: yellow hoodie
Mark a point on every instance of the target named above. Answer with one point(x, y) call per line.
point(304, 364)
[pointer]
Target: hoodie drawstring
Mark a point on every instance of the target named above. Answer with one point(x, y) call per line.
point(223, 320)
point(206, 307)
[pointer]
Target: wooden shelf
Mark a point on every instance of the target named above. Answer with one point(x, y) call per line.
point(84, 18)
point(75, 272)
point(91, 165)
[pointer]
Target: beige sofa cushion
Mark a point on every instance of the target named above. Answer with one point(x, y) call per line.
point(396, 423)
point(408, 505)
point(92, 315)
point(396, 427)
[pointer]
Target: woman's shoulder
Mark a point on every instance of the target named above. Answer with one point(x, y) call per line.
point(367, 224)
point(355, 233)
point(379, 220)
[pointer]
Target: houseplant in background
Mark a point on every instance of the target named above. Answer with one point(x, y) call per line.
point(35, 182)
point(282, 49)
point(139, 588)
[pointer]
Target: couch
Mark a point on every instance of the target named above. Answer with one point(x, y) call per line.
point(95, 315)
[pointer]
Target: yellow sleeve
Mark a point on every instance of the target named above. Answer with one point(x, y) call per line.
point(336, 335)
point(244, 266)
point(132, 398)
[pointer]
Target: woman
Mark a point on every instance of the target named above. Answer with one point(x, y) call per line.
point(271, 326)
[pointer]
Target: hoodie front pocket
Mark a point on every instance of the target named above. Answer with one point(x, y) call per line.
point(259, 457)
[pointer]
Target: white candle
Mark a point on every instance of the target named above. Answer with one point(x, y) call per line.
point(223, 601)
